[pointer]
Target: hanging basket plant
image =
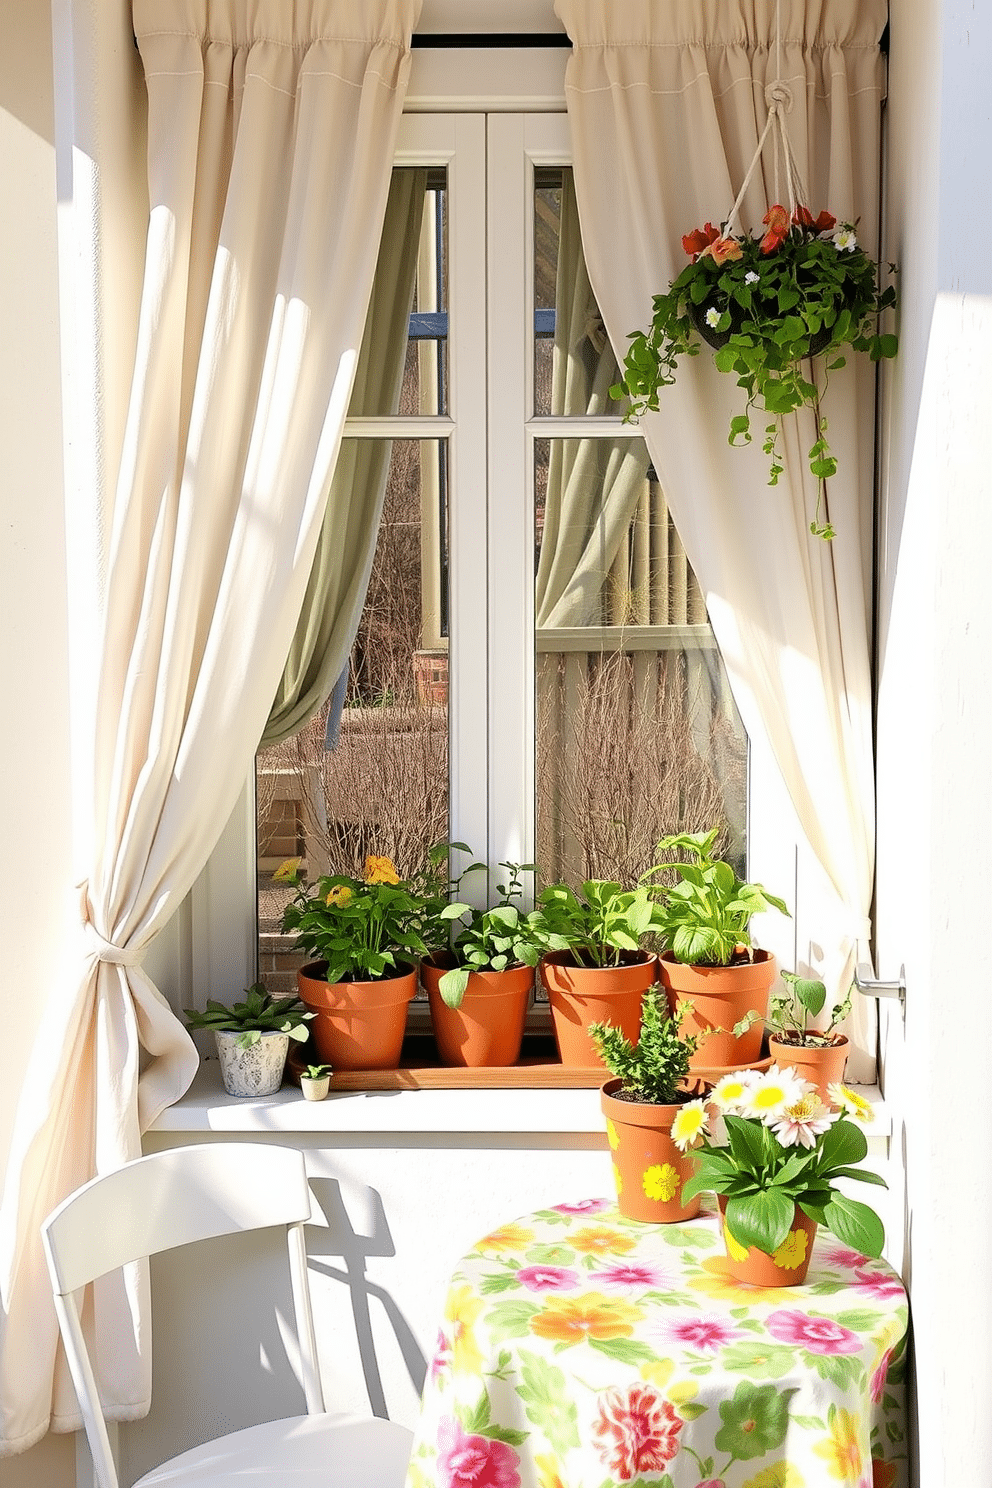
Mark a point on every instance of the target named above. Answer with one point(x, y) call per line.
point(806, 288)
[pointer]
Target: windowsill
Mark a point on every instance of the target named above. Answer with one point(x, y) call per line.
point(207, 1108)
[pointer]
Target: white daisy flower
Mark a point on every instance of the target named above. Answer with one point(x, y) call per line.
point(731, 1092)
point(713, 317)
point(844, 239)
point(773, 1092)
point(689, 1126)
point(851, 1103)
point(804, 1121)
point(751, 277)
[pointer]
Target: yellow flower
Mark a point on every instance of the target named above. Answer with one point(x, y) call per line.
point(658, 1372)
point(380, 871)
point(779, 1475)
point(612, 1135)
point(591, 1315)
point(735, 1250)
point(851, 1103)
point(661, 1182)
point(840, 1450)
point(683, 1391)
point(461, 1310)
point(618, 1179)
point(287, 871)
point(507, 1237)
point(598, 1240)
point(792, 1252)
point(548, 1475)
point(338, 895)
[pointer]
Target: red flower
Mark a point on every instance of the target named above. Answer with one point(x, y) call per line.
point(776, 219)
point(803, 217)
point(700, 238)
point(638, 1431)
point(721, 249)
point(465, 1461)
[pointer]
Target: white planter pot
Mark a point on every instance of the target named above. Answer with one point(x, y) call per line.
point(256, 1070)
point(315, 1089)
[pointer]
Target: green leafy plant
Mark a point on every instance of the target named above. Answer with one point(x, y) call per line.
point(804, 998)
point(706, 916)
point(783, 1148)
point(765, 305)
point(359, 928)
point(317, 1071)
point(493, 939)
point(653, 1069)
point(602, 923)
point(259, 1013)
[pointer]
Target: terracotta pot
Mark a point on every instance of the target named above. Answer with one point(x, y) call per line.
point(786, 1267)
point(820, 1066)
point(359, 1025)
point(580, 995)
point(720, 996)
point(648, 1168)
point(487, 1028)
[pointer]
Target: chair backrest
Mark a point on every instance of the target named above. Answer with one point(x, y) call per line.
point(157, 1203)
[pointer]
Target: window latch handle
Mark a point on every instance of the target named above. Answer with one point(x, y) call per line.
point(870, 986)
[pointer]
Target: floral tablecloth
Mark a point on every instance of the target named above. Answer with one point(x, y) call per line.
point(579, 1349)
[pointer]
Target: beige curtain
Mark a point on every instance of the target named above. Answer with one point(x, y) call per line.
point(271, 132)
point(666, 104)
point(339, 579)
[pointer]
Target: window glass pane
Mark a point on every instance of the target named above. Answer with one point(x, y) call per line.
point(574, 365)
point(376, 779)
point(404, 362)
point(637, 733)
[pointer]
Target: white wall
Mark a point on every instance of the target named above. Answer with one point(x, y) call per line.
point(935, 713)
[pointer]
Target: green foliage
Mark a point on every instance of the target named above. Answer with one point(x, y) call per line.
point(602, 922)
point(769, 311)
point(791, 1011)
point(360, 928)
point(497, 938)
point(654, 1067)
point(705, 918)
point(317, 1071)
point(259, 1013)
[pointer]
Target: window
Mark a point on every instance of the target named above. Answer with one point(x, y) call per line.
point(534, 672)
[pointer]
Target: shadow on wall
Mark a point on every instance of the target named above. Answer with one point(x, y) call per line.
point(341, 1241)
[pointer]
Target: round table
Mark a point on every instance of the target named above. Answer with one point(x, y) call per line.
point(579, 1349)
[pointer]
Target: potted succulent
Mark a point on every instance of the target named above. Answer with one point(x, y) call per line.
point(479, 985)
point(774, 1168)
point(765, 304)
point(252, 1038)
point(603, 972)
point(818, 1054)
point(642, 1105)
point(709, 960)
point(315, 1081)
point(364, 937)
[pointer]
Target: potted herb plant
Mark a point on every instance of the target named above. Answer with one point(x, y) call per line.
point(479, 985)
point(766, 304)
point(818, 1054)
point(709, 960)
point(315, 1081)
point(775, 1174)
point(603, 973)
point(252, 1038)
point(365, 937)
point(642, 1105)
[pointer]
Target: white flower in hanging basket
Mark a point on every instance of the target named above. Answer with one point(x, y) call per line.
point(765, 305)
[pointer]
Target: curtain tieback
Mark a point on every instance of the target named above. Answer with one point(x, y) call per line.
point(105, 950)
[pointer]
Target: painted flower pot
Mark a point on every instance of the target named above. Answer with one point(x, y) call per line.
point(719, 997)
point(648, 1169)
point(358, 1025)
point(822, 1067)
point(257, 1070)
point(787, 1266)
point(580, 995)
point(486, 1030)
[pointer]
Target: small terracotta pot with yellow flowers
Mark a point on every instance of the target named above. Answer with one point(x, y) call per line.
point(365, 939)
point(644, 1107)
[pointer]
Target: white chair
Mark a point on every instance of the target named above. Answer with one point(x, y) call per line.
point(170, 1199)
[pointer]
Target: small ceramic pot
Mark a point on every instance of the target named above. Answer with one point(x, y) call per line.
point(315, 1088)
point(257, 1070)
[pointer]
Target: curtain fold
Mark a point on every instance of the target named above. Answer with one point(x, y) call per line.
point(666, 104)
point(271, 133)
point(339, 579)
